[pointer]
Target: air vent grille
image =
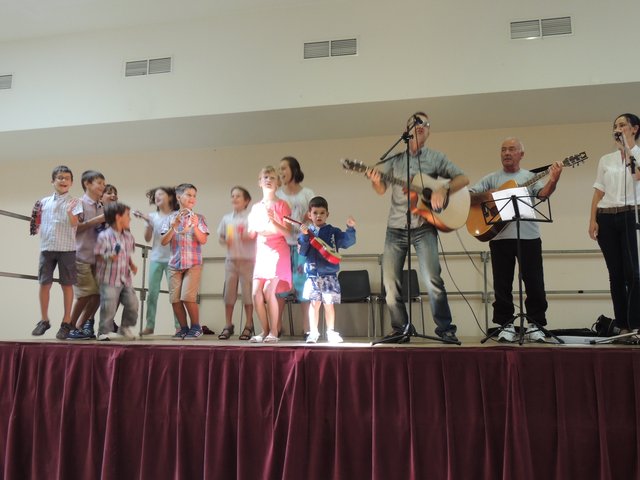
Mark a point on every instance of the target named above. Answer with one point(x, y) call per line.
point(159, 65)
point(341, 48)
point(136, 68)
point(546, 27)
point(316, 49)
point(525, 29)
point(556, 26)
point(331, 48)
point(148, 67)
point(6, 81)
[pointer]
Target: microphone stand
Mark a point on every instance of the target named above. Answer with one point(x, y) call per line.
point(409, 330)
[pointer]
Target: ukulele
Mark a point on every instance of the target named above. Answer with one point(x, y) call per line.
point(327, 252)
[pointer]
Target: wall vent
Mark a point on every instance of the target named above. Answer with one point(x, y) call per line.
point(556, 26)
point(340, 48)
point(525, 29)
point(147, 67)
point(6, 81)
point(317, 49)
point(546, 27)
point(331, 48)
point(159, 65)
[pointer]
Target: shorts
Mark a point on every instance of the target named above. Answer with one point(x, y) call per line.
point(325, 289)
point(87, 284)
point(184, 284)
point(66, 262)
point(238, 271)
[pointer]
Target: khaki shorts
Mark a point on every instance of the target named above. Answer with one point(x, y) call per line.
point(87, 283)
point(184, 284)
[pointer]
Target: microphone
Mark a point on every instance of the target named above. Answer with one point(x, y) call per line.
point(418, 120)
point(617, 136)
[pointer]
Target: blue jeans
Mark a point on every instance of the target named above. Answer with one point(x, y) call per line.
point(425, 242)
point(110, 297)
point(156, 271)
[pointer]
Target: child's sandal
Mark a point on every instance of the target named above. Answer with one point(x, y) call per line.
point(247, 333)
point(226, 333)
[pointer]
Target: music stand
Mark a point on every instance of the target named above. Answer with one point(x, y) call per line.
point(528, 203)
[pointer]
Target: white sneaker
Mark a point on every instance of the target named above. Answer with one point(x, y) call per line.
point(334, 337)
point(534, 334)
point(105, 337)
point(508, 334)
point(128, 333)
point(313, 337)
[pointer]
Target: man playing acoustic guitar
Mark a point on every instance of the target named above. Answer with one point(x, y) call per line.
point(504, 248)
point(424, 237)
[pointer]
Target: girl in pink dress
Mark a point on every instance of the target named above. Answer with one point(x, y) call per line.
point(272, 273)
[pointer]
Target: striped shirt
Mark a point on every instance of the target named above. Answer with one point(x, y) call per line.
point(186, 250)
point(114, 272)
point(56, 232)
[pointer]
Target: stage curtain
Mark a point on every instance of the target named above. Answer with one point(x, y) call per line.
point(142, 411)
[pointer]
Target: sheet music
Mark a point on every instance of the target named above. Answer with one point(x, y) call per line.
point(505, 205)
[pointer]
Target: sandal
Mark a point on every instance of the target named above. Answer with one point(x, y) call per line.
point(226, 333)
point(271, 339)
point(256, 339)
point(247, 333)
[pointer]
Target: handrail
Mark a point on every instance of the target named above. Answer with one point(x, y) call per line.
point(484, 255)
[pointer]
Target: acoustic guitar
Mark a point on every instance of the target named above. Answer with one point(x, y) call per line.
point(480, 214)
point(451, 217)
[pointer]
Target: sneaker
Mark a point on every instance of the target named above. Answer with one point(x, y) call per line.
point(128, 333)
point(180, 334)
point(334, 337)
point(449, 337)
point(508, 334)
point(41, 327)
point(77, 335)
point(87, 328)
point(312, 337)
point(305, 335)
point(63, 332)
point(106, 337)
point(534, 334)
point(194, 332)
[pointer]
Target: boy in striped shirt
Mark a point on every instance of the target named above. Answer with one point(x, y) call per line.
point(114, 269)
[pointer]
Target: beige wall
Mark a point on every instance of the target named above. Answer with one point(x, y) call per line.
point(215, 171)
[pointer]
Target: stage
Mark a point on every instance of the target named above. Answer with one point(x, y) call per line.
point(210, 409)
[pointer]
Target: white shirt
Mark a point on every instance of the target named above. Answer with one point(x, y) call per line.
point(159, 253)
point(614, 179)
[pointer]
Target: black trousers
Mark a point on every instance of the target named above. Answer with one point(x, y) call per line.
point(617, 240)
point(504, 254)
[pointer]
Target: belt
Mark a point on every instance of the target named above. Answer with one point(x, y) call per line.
point(626, 208)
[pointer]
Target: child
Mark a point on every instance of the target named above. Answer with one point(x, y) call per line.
point(87, 291)
point(322, 285)
point(164, 198)
point(109, 195)
point(114, 266)
point(241, 255)
point(272, 272)
point(186, 232)
point(297, 196)
point(58, 215)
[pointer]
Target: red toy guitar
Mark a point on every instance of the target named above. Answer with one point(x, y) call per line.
point(327, 252)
